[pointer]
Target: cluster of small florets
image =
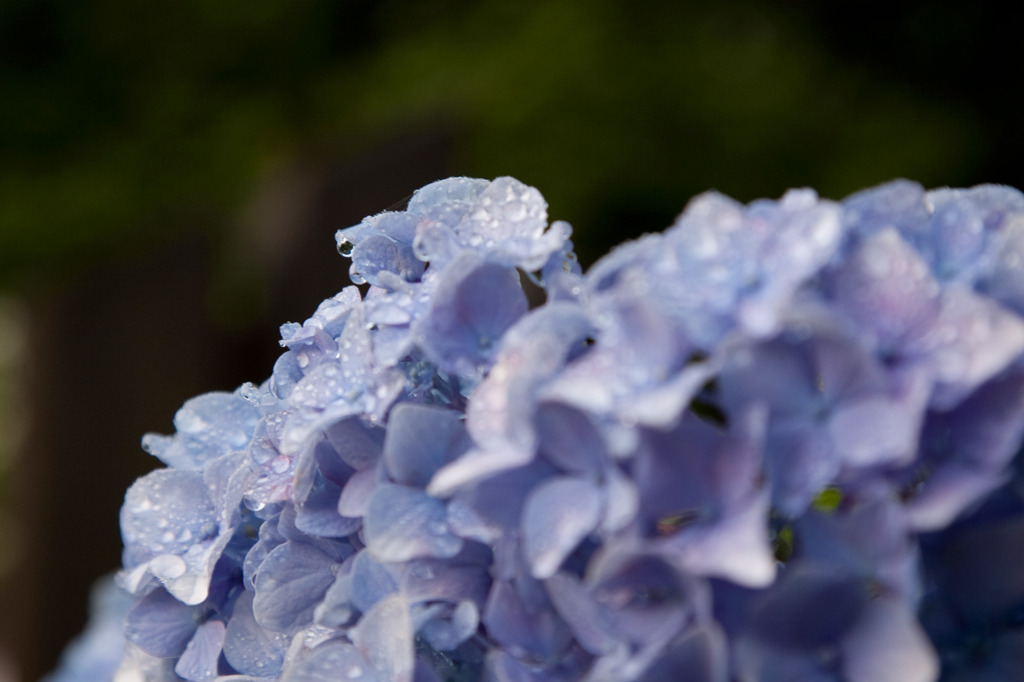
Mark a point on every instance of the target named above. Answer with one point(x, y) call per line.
point(775, 442)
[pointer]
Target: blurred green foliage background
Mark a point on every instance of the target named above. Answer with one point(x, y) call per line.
point(124, 121)
point(156, 161)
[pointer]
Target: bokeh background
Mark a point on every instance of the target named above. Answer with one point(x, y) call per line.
point(172, 173)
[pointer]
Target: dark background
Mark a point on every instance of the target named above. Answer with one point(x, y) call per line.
point(172, 174)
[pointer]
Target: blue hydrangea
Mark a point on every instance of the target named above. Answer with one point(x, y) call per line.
point(777, 441)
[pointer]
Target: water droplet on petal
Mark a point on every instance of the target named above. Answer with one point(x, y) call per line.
point(168, 566)
point(345, 247)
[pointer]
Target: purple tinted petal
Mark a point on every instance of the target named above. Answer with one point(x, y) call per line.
point(622, 501)
point(473, 306)
point(250, 648)
point(949, 491)
point(357, 443)
point(773, 373)
point(737, 547)
point(648, 598)
point(449, 580)
point(697, 471)
point(449, 190)
point(558, 514)
point(269, 538)
point(319, 514)
point(323, 385)
point(882, 428)
point(500, 414)
point(590, 620)
point(698, 655)
point(384, 635)
point(355, 496)
point(330, 661)
point(336, 610)
point(208, 426)
point(291, 581)
point(985, 430)
point(168, 511)
point(446, 634)
point(888, 645)
point(958, 237)
point(790, 616)
point(286, 374)
point(757, 661)
point(899, 204)
point(370, 582)
point(493, 506)
point(801, 461)
point(403, 523)
point(475, 466)
point(161, 625)
point(420, 440)
point(887, 290)
point(379, 254)
point(867, 535)
point(1005, 281)
point(523, 628)
point(568, 438)
point(972, 339)
point(507, 223)
point(199, 661)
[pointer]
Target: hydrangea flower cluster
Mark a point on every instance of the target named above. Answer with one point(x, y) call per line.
point(775, 442)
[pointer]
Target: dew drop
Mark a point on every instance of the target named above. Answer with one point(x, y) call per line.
point(302, 359)
point(280, 464)
point(515, 211)
point(168, 566)
point(250, 393)
point(354, 672)
point(345, 247)
point(419, 249)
